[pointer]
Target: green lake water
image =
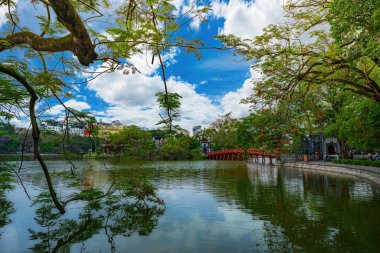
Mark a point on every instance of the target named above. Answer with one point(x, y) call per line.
point(210, 206)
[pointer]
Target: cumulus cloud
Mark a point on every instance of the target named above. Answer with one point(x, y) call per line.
point(247, 19)
point(72, 103)
point(231, 102)
point(190, 12)
point(20, 122)
point(3, 11)
point(132, 99)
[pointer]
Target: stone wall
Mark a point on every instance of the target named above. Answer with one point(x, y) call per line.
point(370, 173)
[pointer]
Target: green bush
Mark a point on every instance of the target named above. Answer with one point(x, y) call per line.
point(358, 162)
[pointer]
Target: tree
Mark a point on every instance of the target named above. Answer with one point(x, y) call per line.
point(178, 148)
point(223, 133)
point(302, 53)
point(6, 206)
point(65, 31)
point(266, 130)
point(357, 124)
point(135, 143)
point(170, 102)
point(323, 55)
point(9, 141)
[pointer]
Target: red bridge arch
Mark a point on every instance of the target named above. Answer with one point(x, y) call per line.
point(240, 155)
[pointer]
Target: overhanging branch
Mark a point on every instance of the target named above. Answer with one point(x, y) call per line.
point(78, 41)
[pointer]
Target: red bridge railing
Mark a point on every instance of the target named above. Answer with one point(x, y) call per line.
point(241, 155)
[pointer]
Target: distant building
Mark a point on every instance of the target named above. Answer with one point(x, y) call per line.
point(107, 129)
point(182, 131)
point(158, 137)
point(197, 130)
point(52, 125)
point(205, 145)
point(158, 141)
point(76, 130)
point(321, 148)
point(61, 127)
point(116, 123)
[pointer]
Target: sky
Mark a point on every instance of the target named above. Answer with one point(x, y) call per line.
point(209, 87)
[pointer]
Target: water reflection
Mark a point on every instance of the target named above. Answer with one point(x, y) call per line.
point(305, 211)
point(211, 206)
point(111, 217)
point(6, 206)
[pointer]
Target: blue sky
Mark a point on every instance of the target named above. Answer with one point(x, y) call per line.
point(210, 87)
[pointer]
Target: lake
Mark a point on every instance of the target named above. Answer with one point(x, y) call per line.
point(210, 206)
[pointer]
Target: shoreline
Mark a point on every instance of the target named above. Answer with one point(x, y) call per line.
point(371, 174)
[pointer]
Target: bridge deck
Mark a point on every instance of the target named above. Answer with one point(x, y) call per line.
point(240, 154)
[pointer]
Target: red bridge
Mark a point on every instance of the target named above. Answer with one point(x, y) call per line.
point(241, 155)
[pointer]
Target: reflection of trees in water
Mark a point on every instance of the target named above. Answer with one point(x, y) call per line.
point(124, 207)
point(276, 241)
point(303, 211)
point(6, 206)
point(113, 215)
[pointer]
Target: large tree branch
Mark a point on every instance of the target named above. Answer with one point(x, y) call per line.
point(66, 14)
point(35, 131)
point(78, 41)
point(37, 42)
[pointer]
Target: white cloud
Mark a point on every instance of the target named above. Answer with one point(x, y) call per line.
point(247, 19)
point(191, 10)
point(3, 11)
point(132, 99)
point(72, 103)
point(231, 102)
point(143, 61)
point(20, 122)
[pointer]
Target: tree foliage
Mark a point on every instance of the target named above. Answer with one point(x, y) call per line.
point(9, 140)
point(358, 124)
point(135, 143)
point(303, 53)
point(36, 62)
point(317, 71)
point(223, 133)
point(171, 103)
point(180, 148)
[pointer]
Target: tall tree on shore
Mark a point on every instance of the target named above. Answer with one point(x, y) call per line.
point(171, 104)
point(35, 61)
point(303, 52)
point(223, 132)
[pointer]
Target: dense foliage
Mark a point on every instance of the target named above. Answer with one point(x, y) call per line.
point(62, 38)
point(223, 133)
point(9, 140)
point(358, 162)
point(180, 148)
point(134, 143)
point(317, 72)
point(170, 103)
